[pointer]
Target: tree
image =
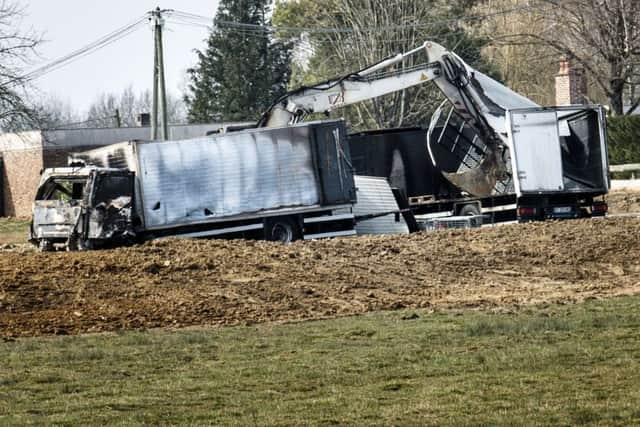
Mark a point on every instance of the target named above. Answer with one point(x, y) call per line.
point(603, 36)
point(243, 69)
point(347, 35)
point(528, 69)
point(16, 49)
point(102, 113)
point(53, 113)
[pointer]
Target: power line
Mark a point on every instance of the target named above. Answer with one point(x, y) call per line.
point(249, 30)
point(198, 20)
point(96, 45)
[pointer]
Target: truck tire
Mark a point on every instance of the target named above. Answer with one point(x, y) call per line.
point(470, 210)
point(77, 244)
point(282, 230)
point(45, 245)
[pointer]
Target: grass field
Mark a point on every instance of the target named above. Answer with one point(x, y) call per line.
point(13, 231)
point(560, 365)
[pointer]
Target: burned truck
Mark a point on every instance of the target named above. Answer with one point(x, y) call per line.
point(556, 156)
point(277, 184)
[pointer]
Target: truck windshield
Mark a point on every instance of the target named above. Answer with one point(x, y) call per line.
point(62, 189)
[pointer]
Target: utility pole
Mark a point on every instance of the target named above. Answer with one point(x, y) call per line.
point(159, 89)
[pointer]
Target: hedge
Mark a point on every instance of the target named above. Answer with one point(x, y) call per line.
point(624, 139)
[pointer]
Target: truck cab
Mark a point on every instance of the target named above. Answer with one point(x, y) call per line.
point(79, 208)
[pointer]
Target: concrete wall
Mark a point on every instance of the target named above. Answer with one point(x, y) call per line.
point(625, 184)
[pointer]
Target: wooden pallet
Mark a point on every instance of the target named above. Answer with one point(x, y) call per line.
point(420, 200)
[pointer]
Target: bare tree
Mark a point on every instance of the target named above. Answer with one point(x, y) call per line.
point(528, 68)
point(366, 31)
point(53, 113)
point(603, 36)
point(16, 50)
point(102, 113)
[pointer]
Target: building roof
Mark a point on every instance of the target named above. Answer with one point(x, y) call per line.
point(87, 137)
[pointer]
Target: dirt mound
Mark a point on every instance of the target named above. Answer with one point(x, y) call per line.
point(188, 282)
point(623, 201)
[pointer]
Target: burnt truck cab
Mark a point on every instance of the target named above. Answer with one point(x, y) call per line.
point(82, 207)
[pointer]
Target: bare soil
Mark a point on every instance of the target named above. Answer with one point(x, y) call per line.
point(176, 283)
point(624, 201)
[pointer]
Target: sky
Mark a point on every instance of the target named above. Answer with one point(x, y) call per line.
point(67, 25)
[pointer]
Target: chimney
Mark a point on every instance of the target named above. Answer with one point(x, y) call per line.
point(571, 85)
point(143, 119)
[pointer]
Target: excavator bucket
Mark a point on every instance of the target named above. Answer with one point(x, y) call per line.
point(481, 180)
point(466, 159)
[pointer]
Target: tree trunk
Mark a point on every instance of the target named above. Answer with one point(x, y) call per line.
point(615, 100)
point(616, 94)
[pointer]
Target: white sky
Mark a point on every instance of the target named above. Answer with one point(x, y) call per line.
point(67, 25)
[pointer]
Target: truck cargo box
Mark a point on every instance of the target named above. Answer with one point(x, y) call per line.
point(559, 150)
point(221, 177)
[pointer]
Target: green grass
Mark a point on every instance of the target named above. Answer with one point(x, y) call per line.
point(13, 231)
point(564, 365)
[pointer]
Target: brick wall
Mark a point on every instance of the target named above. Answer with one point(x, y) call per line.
point(21, 175)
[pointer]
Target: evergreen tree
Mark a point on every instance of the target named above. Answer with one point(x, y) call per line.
point(243, 69)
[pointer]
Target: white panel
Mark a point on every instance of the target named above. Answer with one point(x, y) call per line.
point(537, 158)
point(225, 175)
point(375, 196)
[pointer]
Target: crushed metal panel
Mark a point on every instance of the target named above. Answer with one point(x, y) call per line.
point(55, 218)
point(375, 196)
point(536, 155)
point(226, 175)
point(111, 213)
point(115, 156)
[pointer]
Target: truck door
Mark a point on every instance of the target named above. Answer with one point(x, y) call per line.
point(332, 156)
point(536, 159)
point(111, 205)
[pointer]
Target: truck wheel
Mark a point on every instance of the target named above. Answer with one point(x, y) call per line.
point(84, 245)
point(77, 244)
point(281, 230)
point(45, 245)
point(474, 211)
point(470, 210)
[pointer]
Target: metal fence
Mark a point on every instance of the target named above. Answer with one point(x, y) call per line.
point(634, 168)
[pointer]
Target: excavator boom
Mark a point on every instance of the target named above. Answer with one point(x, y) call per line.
point(479, 100)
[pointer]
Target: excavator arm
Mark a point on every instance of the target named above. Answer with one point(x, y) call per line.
point(478, 99)
point(445, 69)
point(349, 90)
point(363, 85)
